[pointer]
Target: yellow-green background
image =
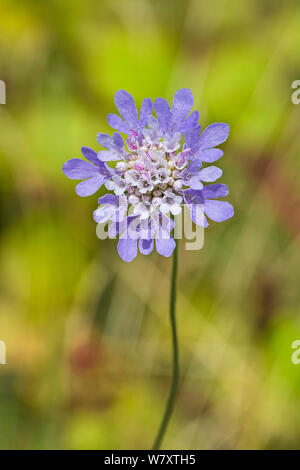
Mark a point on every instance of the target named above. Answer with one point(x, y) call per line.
point(87, 336)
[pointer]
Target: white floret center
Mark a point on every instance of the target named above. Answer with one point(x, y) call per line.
point(149, 176)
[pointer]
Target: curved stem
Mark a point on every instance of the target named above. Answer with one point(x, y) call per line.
point(175, 377)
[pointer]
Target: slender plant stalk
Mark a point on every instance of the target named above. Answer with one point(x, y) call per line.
point(175, 378)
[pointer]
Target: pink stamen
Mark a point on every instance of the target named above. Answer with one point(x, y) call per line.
point(133, 132)
point(131, 142)
point(138, 167)
point(181, 159)
point(149, 156)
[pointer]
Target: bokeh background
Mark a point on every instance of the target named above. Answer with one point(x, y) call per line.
point(87, 336)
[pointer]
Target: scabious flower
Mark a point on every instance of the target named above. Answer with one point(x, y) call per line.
point(158, 168)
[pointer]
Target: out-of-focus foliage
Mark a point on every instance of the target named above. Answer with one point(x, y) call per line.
point(87, 336)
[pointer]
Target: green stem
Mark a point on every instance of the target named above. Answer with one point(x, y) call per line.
point(175, 377)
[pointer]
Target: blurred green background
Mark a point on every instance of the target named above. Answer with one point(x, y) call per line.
point(87, 336)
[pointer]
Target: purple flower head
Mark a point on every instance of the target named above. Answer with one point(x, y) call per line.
point(159, 167)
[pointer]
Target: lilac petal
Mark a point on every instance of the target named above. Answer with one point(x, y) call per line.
point(117, 123)
point(172, 142)
point(126, 106)
point(197, 215)
point(105, 140)
point(115, 228)
point(127, 249)
point(153, 123)
point(146, 246)
point(133, 227)
point(165, 246)
point(193, 196)
point(90, 155)
point(105, 170)
point(109, 155)
point(103, 213)
point(145, 231)
point(209, 174)
point(165, 226)
point(214, 191)
point(163, 113)
point(213, 135)
point(89, 186)
point(114, 143)
point(109, 199)
point(182, 104)
point(218, 210)
point(195, 182)
point(117, 140)
point(210, 155)
point(190, 122)
point(192, 168)
point(192, 136)
point(120, 226)
point(77, 169)
point(145, 112)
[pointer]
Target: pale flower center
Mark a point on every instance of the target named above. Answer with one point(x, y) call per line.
point(150, 174)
